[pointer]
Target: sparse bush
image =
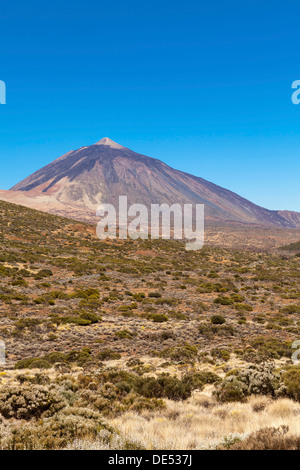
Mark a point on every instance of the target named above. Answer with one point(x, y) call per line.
point(291, 380)
point(124, 334)
point(55, 432)
point(91, 317)
point(157, 317)
point(165, 386)
point(217, 320)
point(155, 295)
point(108, 354)
point(223, 354)
point(223, 300)
point(184, 352)
point(253, 380)
point(268, 439)
point(28, 402)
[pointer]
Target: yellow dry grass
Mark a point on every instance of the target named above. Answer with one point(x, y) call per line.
point(202, 423)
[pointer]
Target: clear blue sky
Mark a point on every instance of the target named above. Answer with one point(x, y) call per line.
point(204, 86)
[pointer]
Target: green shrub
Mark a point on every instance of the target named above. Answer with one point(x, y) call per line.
point(89, 293)
point(217, 320)
point(47, 361)
point(243, 307)
point(79, 321)
point(139, 296)
point(108, 354)
point(166, 386)
point(185, 352)
point(209, 330)
point(23, 323)
point(197, 380)
point(44, 273)
point(271, 348)
point(157, 317)
point(91, 317)
point(176, 315)
point(223, 354)
point(291, 380)
point(223, 300)
point(34, 363)
point(124, 334)
point(155, 295)
point(19, 282)
point(291, 309)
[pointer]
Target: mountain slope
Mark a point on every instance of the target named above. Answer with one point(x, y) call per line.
point(76, 183)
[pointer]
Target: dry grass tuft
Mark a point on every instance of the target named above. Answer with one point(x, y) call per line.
point(202, 423)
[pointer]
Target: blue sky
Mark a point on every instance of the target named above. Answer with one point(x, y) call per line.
point(204, 86)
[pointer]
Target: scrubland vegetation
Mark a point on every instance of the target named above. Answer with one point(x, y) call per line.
point(142, 344)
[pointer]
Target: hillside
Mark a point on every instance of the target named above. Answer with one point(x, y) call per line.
point(75, 184)
point(100, 335)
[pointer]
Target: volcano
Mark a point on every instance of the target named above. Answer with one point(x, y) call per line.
point(76, 183)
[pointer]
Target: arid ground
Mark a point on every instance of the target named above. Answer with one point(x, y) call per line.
point(144, 345)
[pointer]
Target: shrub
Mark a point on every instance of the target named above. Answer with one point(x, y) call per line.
point(139, 296)
point(243, 307)
point(89, 293)
point(166, 386)
point(217, 320)
point(33, 363)
point(19, 282)
point(197, 380)
point(208, 287)
point(28, 402)
point(124, 334)
point(23, 323)
point(290, 309)
point(79, 321)
point(271, 348)
point(223, 300)
point(155, 295)
point(43, 273)
point(157, 317)
point(208, 330)
point(69, 424)
point(291, 380)
point(108, 354)
point(47, 361)
point(223, 354)
point(91, 317)
point(185, 352)
point(268, 439)
point(231, 389)
point(177, 315)
point(253, 380)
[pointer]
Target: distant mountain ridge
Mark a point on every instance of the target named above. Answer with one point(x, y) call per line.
point(76, 183)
